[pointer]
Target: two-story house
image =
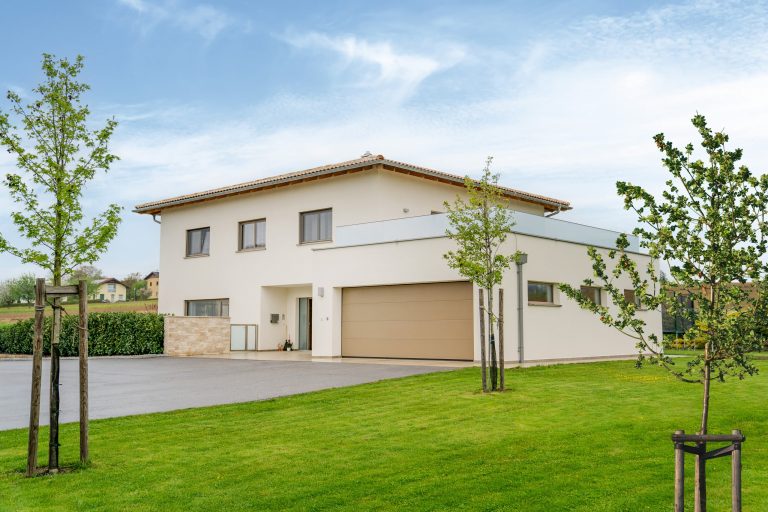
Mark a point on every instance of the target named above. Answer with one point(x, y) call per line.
point(110, 290)
point(153, 284)
point(347, 260)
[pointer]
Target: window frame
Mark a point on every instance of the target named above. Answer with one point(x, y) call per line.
point(302, 240)
point(188, 239)
point(221, 302)
point(636, 301)
point(552, 287)
point(241, 225)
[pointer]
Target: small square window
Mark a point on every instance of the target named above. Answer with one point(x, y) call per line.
point(591, 293)
point(252, 234)
point(631, 297)
point(315, 226)
point(198, 242)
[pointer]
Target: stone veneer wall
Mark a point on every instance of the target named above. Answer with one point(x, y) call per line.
point(196, 335)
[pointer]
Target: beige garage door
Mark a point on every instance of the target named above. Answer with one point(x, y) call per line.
point(420, 321)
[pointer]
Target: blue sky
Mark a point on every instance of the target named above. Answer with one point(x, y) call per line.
point(565, 95)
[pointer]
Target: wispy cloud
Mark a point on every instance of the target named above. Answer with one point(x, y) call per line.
point(380, 64)
point(204, 20)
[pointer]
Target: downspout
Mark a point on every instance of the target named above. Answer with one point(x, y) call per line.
point(154, 218)
point(521, 260)
point(552, 214)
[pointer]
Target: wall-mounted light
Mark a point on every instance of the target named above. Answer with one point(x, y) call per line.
point(320, 291)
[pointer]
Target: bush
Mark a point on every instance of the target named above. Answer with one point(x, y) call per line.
point(109, 334)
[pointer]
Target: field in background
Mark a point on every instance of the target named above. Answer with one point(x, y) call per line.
point(13, 313)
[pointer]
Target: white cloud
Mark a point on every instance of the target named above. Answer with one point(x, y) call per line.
point(394, 70)
point(205, 20)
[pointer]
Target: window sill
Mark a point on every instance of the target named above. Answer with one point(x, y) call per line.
point(253, 249)
point(545, 304)
point(194, 256)
point(316, 242)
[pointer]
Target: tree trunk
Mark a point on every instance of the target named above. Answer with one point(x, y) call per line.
point(492, 343)
point(482, 340)
point(53, 438)
point(701, 464)
point(501, 339)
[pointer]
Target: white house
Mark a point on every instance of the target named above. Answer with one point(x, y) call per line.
point(347, 260)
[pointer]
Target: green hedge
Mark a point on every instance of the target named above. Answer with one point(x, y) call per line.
point(109, 334)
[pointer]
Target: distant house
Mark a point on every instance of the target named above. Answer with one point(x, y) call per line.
point(110, 290)
point(153, 284)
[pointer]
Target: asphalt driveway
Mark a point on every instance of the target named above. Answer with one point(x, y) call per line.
point(125, 386)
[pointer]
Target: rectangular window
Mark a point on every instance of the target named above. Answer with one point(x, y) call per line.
point(111, 287)
point(540, 292)
point(591, 293)
point(315, 226)
point(198, 242)
point(631, 297)
point(212, 307)
point(253, 234)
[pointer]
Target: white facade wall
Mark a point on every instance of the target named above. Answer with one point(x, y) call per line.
point(259, 283)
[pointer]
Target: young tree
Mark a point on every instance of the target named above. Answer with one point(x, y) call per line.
point(480, 226)
point(57, 154)
point(709, 224)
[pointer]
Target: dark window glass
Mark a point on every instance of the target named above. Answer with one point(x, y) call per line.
point(591, 293)
point(213, 307)
point(540, 292)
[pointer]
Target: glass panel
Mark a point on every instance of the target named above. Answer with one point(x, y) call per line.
point(303, 323)
point(261, 233)
point(310, 227)
point(237, 337)
point(591, 293)
point(325, 225)
point(193, 242)
point(250, 342)
point(539, 292)
point(205, 234)
point(224, 307)
point(248, 235)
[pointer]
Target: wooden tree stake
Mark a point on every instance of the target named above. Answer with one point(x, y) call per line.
point(37, 372)
point(501, 339)
point(482, 340)
point(83, 352)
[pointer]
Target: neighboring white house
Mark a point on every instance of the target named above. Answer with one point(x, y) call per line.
point(347, 260)
point(110, 290)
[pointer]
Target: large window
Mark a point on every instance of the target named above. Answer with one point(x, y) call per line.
point(591, 293)
point(252, 234)
point(198, 242)
point(211, 307)
point(541, 292)
point(315, 226)
point(111, 287)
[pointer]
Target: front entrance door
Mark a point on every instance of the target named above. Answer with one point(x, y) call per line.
point(305, 323)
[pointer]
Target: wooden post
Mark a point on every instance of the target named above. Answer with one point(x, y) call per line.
point(679, 475)
point(83, 352)
point(482, 340)
point(37, 372)
point(701, 478)
point(53, 438)
point(736, 474)
point(501, 339)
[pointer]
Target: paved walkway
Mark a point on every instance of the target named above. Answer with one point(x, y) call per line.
point(125, 386)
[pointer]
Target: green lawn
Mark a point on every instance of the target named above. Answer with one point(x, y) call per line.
point(589, 437)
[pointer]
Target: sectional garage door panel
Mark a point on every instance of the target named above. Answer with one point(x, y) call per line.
point(419, 321)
